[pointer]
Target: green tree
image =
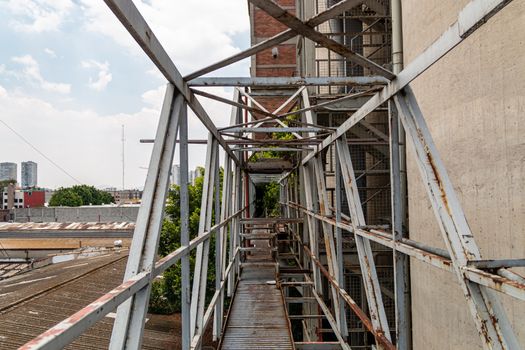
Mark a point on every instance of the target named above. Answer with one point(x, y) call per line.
point(88, 195)
point(65, 197)
point(5, 183)
point(271, 199)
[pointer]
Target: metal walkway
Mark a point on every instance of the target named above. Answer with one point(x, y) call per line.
point(257, 318)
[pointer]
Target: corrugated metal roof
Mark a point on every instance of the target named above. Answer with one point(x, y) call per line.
point(36, 301)
point(63, 226)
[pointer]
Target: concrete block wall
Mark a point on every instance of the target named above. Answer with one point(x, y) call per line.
point(474, 102)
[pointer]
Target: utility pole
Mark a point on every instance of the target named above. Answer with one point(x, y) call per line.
point(123, 140)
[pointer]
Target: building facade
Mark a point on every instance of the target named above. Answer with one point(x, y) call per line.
point(12, 197)
point(8, 171)
point(175, 175)
point(29, 177)
point(132, 196)
point(34, 198)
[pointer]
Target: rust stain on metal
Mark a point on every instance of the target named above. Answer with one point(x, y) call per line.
point(62, 226)
point(378, 334)
point(438, 181)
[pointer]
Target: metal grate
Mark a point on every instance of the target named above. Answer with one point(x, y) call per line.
point(364, 31)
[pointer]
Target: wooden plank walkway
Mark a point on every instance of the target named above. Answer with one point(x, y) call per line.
point(257, 318)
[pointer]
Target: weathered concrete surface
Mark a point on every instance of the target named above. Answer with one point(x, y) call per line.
point(474, 103)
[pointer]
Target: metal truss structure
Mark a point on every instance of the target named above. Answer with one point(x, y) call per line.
point(314, 229)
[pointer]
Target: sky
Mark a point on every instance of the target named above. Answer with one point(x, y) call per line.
point(71, 76)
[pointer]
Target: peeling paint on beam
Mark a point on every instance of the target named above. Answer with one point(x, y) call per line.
point(273, 82)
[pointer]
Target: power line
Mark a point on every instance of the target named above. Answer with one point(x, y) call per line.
point(39, 152)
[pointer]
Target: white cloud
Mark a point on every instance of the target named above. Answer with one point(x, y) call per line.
point(50, 52)
point(194, 33)
point(31, 72)
point(104, 76)
point(38, 15)
point(87, 144)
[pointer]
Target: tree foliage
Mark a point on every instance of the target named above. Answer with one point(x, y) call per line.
point(79, 195)
point(166, 291)
point(271, 199)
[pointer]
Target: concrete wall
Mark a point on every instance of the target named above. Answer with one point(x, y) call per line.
point(81, 214)
point(474, 103)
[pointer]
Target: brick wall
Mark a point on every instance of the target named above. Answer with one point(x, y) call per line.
point(284, 65)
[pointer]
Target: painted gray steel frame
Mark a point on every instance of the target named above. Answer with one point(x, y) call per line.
point(508, 283)
point(131, 314)
point(198, 295)
point(322, 17)
point(275, 82)
point(489, 316)
point(364, 250)
point(221, 248)
point(473, 16)
point(462, 253)
point(184, 228)
point(328, 233)
point(339, 247)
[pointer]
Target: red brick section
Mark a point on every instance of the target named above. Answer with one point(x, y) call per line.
point(284, 65)
point(266, 26)
point(286, 55)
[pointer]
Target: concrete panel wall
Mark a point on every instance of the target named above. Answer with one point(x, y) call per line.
point(474, 103)
point(81, 214)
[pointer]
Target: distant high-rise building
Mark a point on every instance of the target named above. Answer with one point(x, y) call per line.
point(175, 175)
point(8, 171)
point(191, 177)
point(29, 174)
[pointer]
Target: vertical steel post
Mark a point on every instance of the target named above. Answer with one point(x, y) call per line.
point(328, 233)
point(398, 181)
point(223, 236)
point(401, 261)
point(184, 229)
point(235, 118)
point(340, 278)
point(312, 224)
point(217, 317)
point(198, 295)
point(234, 229)
point(129, 323)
